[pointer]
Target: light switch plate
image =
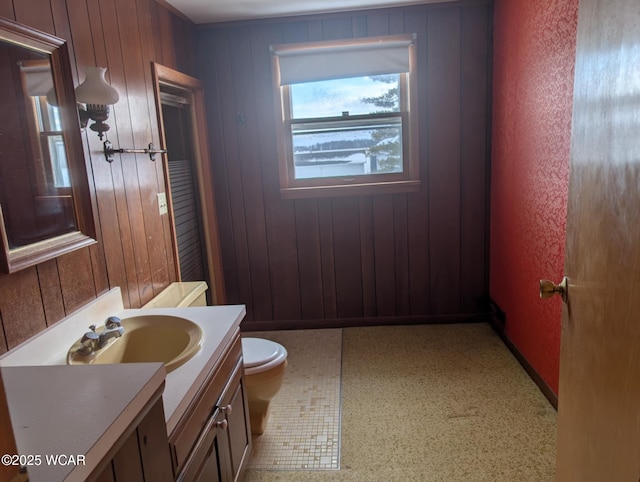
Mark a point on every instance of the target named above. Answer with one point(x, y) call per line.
point(162, 203)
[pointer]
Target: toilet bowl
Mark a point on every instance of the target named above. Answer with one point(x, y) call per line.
point(264, 366)
point(264, 360)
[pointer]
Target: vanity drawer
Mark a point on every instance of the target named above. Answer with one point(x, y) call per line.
point(184, 437)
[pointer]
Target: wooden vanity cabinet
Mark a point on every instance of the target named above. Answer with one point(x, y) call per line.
point(213, 440)
point(142, 454)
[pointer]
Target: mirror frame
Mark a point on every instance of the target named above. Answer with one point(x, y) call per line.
point(12, 260)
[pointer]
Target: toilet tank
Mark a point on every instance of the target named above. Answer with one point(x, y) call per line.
point(181, 295)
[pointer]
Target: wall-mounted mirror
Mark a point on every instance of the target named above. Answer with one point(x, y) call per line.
point(45, 203)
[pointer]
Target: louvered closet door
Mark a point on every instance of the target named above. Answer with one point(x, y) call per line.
point(184, 192)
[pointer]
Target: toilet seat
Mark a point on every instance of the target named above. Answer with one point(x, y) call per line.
point(260, 355)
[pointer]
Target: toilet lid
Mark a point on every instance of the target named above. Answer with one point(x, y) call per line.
point(257, 351)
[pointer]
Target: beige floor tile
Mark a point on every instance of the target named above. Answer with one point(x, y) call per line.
point(426, 403)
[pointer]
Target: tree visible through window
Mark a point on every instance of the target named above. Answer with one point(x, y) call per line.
point(386, 150)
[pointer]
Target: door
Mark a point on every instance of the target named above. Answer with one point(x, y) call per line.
point(189, 179)
point(207, 461)
point(599, 393)
point(188, 229)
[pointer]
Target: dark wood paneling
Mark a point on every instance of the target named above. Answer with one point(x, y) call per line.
point(280, 217)
point(384, 262)
point(6, 9)
point(443, 127)
point(250, 169)
point(384, 257)
point(127, 199)
point(76, 279)
point(154, 13)
point(227, 148)
point(134, 244)
point(474, 133)
point(165, 272)
point(35, 13)
point(3, 342)
point(221, 185)
point(418, 203)
point(337, 28)
point(327, 258)
point(164, 37)
point(348, 269)
point(22, 316)
point(141, 192)
point(309, 259)
point(367, 256)
point(92, 52)
point(184, 40)
point(51, 291)
point(401, 253)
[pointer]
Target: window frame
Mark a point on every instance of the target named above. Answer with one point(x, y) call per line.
point(406, 181)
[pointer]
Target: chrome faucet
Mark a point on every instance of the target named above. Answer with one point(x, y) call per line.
point(92, 341)
point(112, 329)
point(89, 341)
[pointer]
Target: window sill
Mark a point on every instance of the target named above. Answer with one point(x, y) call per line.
point(350, 190)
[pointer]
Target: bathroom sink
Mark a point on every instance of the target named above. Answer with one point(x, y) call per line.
point(147, 338)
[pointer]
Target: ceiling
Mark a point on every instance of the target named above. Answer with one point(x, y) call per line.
point(213, 11)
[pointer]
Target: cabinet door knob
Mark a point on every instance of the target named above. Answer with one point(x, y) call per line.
point(227, 410)
point(223, 424)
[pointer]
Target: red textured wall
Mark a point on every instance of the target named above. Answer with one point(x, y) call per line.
point(534, 58)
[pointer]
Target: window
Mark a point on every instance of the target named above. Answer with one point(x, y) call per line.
point(347, 117)
point(52, 143)
point(45, 125)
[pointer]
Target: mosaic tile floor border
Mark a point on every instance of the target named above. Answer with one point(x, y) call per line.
point(303, 431)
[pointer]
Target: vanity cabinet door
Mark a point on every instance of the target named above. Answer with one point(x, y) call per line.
point(188, 431)
point(154, 446)
point(214, 436)
point(222, 451)
point(144, 454)
point(207, 460)
point(233, 404)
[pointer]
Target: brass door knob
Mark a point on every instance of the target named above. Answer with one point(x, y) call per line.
point(548, 288)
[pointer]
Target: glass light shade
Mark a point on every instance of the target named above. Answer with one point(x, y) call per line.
point(95, 89)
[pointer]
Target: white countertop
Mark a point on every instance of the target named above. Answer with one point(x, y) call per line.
point(78, 410)
point(218, 324)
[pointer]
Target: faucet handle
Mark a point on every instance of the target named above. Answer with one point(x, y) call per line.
point(89, 341)
point(113, 322)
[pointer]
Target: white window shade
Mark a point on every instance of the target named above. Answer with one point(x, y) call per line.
point(336, 60)
point(37, 77)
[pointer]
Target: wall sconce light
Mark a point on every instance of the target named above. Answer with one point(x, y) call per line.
point(97, 95)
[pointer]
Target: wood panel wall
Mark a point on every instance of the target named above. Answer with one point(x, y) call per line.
point(355, 260)
point(134, 241)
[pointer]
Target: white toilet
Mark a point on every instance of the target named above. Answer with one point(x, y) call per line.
point(264, 360)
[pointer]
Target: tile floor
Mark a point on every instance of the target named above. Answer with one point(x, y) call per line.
point(303, 431)
point(425, 403)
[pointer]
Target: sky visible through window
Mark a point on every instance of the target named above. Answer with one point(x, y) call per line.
point(330, 98)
